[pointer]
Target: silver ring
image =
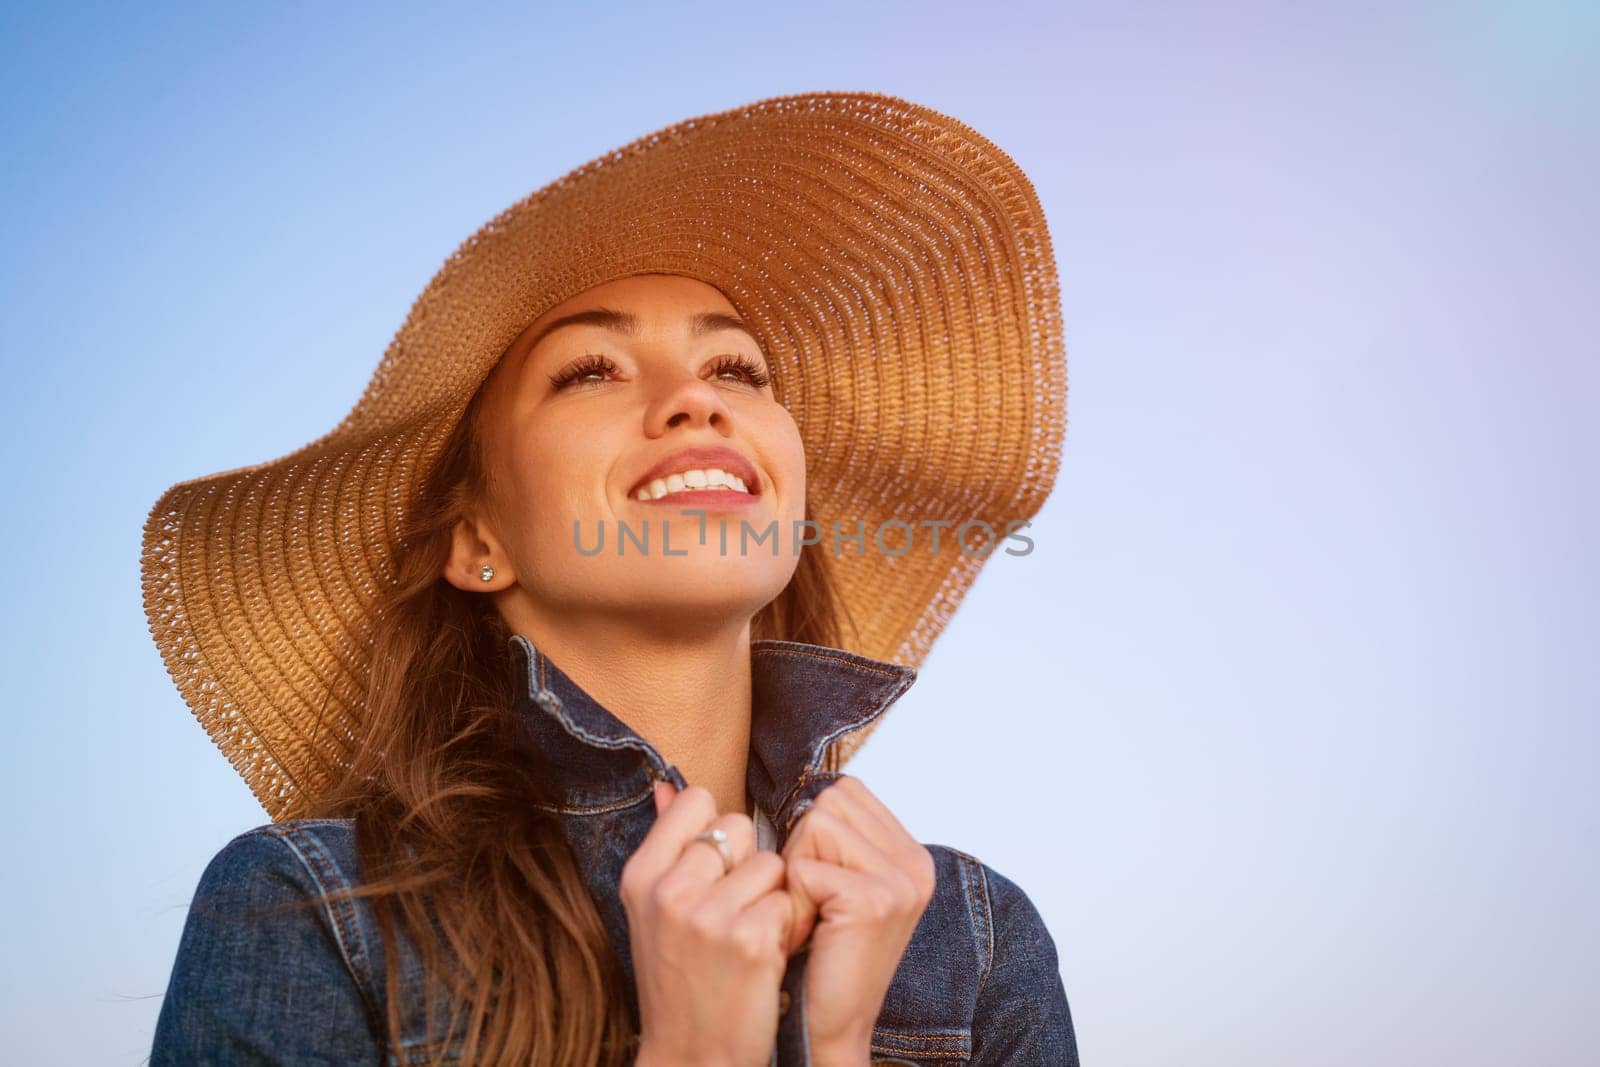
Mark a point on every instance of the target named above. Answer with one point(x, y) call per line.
point(719, 837)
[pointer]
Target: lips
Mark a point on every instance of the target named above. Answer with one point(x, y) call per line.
point(699, 458)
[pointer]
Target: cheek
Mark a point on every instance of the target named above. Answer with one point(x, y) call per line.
point(553, 475)
point(788, 458)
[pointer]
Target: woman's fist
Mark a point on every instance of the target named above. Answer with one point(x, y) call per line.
point(864, 882)
point(709, 948)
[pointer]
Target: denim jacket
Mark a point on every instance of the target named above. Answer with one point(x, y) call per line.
point(978, 983)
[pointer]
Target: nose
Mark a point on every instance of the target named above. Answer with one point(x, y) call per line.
point(686, 400)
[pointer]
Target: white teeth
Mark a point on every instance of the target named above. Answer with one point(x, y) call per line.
point(711, 477)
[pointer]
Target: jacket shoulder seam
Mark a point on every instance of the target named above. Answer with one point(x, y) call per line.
point(976, 884)
point(313, 856)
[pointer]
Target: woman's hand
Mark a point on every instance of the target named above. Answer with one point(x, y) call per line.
point(864, 882)
point(708, 948)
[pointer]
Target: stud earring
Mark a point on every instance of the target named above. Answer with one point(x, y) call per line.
point(487, 574)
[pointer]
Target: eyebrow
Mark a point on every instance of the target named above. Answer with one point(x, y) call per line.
point(624, 322)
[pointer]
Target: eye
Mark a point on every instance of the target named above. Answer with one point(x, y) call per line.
point(591, 363)
point(746, 367)
point(593, 367)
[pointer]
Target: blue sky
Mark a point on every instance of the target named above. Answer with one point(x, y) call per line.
point(1288, 724)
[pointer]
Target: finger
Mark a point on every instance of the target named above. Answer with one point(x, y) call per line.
point(774, 912)
point(690, 811)
point(700, 863)
point(761, 873)
point(664, 792)
point(821, 883)
point(866, 802)
point(802, 912)
point(869, 815)
point(851, 799)
point(827, 835)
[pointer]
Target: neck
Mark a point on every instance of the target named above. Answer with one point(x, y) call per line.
point(687, 694)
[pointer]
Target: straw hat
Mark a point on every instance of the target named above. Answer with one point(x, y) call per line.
point(894, 264)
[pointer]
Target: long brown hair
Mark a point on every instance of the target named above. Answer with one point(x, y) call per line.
point(441, 789)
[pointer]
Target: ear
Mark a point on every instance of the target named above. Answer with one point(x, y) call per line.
point(472, 545)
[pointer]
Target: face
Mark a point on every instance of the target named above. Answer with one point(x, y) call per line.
point(654, 380)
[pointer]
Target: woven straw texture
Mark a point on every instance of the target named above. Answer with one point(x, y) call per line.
point(895, 266)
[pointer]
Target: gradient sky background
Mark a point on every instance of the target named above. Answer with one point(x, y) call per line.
point(1288, 724)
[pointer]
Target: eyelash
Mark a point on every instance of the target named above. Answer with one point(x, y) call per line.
point(595, 363)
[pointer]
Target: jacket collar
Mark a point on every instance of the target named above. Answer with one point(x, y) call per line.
point(804, 698)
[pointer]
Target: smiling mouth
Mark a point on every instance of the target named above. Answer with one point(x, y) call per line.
point(693, 485)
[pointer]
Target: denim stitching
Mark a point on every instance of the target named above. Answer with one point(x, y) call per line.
point(552, 704)
point(950, 1047)
point(772, 647)
point(903, 677)
point(598, 809)
point(955, 1045)
point(982, 917)
point(802, 654)
point(872, 716)
point(343, 936)
point(327, 873)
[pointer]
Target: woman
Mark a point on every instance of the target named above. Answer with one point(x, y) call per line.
point(550, 608)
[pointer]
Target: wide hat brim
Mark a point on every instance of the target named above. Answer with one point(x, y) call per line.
point(893, 262)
